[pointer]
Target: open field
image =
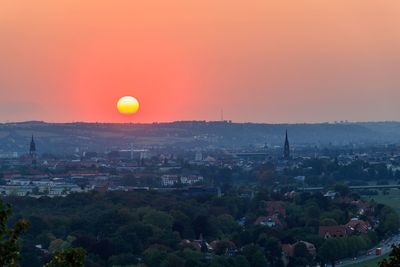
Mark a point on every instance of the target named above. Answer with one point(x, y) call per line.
point(392, 199)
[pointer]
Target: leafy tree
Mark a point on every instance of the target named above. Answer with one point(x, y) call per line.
point(222, 246)
point(9, 245)
point(342, 189)
point(173, 260)
point(266, 173)
point(122, 259)
point(193, 258)
point(259, 260)
point(72, 257)
point(219, 261)
point(312, 212)
point(337, 214)
point(391, 223)
point(202, 225)
point(240, 261)
point(393, 260)
point(37, 225)
point(158, 218)
point(226, 224)
point(328, 222)
point(389, 220)
point(182, 224)
point(301, 251)
point(330, 251)
point(155, 255)
point(255, 256)
point(272, 247)
point(355, 245)
point(57, 245)
point(10, 248)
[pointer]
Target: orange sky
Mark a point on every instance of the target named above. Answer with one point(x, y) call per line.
point(258, 60)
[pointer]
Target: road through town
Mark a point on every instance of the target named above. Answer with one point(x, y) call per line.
point(385, 245)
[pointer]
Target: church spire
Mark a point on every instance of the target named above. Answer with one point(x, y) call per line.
point(286, 150)
point(32, 152)
point(32, 149)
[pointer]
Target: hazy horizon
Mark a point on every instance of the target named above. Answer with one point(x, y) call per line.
point(225, 121)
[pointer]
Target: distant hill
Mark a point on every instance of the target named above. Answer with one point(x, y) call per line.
point(66, 137)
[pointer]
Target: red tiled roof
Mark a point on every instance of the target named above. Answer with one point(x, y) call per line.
point(358, 225)
point(334, 231)
point(278, 207)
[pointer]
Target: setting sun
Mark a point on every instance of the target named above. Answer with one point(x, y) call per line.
point(128, 105)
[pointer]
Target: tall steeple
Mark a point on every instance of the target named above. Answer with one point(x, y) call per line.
point(286, 150)
point(32, 149)
point(32, 152)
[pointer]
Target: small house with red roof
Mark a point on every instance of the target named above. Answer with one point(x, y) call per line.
point(276, 207)
point(360, 226)
point(333, 231)
point(270, 221)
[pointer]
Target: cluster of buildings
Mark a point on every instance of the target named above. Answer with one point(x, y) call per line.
point(156, 168)
point(30, 175)
point(275, 214)
point(173, 180)
point(275, 218)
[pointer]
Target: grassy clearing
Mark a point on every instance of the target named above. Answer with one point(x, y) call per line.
point(392, 199)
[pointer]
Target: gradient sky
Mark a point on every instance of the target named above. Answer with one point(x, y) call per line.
point(258, 60)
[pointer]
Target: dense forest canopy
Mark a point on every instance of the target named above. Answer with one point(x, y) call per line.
point(150, 228)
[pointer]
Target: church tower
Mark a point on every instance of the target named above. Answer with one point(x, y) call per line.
point(286, 149)
point(32, 151)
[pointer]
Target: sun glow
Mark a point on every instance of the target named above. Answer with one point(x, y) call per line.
point(128, 105)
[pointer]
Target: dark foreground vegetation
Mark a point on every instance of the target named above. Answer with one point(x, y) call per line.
point(157, 229)
point(10, 246)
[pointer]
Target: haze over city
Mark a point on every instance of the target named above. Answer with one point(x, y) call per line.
point(259, 61)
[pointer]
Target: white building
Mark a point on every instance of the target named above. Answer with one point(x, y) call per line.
point(169, 180)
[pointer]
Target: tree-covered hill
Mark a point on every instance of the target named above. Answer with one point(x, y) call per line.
point(66, 137)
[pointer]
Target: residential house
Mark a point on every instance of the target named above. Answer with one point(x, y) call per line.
point(333, 231)
point(270, 221)
point(360, 226)
point(276, 207)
